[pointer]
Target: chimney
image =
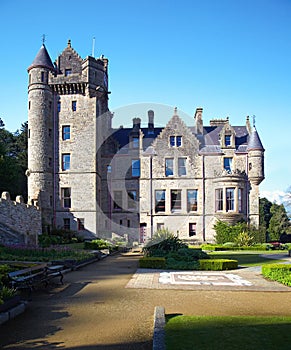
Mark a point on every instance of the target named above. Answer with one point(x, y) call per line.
point(136, 124)
point(199, 121)
point(151, 125)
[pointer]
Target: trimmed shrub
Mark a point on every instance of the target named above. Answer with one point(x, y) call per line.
point(171, 243)
point(174, 264)
point(152, 263)
point(278, 272)
point(97, 244)
point(218, 264)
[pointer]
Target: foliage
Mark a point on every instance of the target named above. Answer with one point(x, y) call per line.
point(227, 332)
point(98, 244)
point(6, 293)
point(13, 161)
point(58, 236)
point(162, 243)
point(278, 272)
point(279, 222)
point(243, 239)
point(174, 264)
point(265, 213)
point(152, 263)
point(218, 264)
point(35, 253)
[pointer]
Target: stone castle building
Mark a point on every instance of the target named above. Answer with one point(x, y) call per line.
point(94, 179)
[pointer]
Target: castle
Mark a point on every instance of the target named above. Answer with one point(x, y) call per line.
point(89, 177)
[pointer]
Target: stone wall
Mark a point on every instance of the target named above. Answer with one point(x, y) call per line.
point(19, 222)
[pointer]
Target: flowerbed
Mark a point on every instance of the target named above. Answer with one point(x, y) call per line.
point(278, 272)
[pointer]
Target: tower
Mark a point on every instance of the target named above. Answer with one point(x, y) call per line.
point(68, 122)
point(256, 175)
point(40, 135)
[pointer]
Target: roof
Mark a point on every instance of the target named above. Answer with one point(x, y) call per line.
point(42, 59)
point(255, 142)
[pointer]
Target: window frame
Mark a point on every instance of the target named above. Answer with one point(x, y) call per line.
point(176, 200)
point(181, 167)
point(66, 197)
point(65, 133)
point(135, 170)
point(160, 201)
point(218, 199)
point(168, 167)
point(131, 202)
point(117, 202)
point(230, 199)
point(195, 198)
point(66, 162)
point(227, 164)
point(192, 229)
point(74, 105)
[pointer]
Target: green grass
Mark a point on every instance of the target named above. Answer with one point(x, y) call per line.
point(245, 258)
point(228, 333)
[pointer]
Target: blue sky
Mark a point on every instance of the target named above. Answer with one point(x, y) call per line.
point(231, 57)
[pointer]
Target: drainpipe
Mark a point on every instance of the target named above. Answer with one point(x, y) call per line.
point(203, 199)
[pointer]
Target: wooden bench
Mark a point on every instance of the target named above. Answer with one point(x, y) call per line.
point(31, 277)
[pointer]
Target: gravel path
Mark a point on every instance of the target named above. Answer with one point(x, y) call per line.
point(94, 310)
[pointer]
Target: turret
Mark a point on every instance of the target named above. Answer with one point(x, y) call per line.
point(256, 158)
point(40, 134)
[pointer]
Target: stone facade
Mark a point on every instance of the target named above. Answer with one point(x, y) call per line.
point(19, 222)
point(97, 180)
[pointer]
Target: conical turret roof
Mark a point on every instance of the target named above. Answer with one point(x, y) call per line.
point(255, 142)
point(42, 59)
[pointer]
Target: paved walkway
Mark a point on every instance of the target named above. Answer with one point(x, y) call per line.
point(94, 310)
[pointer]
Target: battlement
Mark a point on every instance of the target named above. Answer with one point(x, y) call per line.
point(22, 219)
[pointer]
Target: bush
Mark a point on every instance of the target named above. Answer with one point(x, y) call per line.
point(278, 272)
point(173, 264)
point(171, 243)
point(152, 263)
point(218, 264)
point(97, 244)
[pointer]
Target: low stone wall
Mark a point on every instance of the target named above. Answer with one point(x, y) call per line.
point(20, 222)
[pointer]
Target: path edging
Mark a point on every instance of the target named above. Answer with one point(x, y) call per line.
point(159, 328)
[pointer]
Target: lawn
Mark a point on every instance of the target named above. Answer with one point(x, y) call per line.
point(228, 333)
point(246, 258)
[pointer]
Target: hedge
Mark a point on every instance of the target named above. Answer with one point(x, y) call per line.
point(152, 263)
point(218, 264)
point(278, 272)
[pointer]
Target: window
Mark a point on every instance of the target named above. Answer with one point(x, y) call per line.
point(59, 106)
point(160, 226)
point(131, 199)
point(219, 199)
point(227, 164)
point(66, 161)
point(128, 223)
point(117, 204)
point(182, 166)
point(192, 229)
point(160, 201)
point(175, 141)
point(192, 200)
point(74, 106)
point(227, 140)
point(135, 142)
point(229, 199)
point(50, 132)
point(68, 72)
point(240, 200)
point(169, 166)
point(176, 200)
point(135, 167)
point(50, 162)
point(67, 225)
point(66, 197)
point(42, 77)
point(81, 224)
point(120, 222)
point(66, 132)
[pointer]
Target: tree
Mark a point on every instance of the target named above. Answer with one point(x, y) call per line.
point(279, 222)
point(13, 160)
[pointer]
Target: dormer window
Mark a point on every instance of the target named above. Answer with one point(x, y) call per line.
point(227, 140)
point(68, 72)
point(135, 142)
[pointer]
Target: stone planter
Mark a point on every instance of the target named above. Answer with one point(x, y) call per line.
point(10, 303)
